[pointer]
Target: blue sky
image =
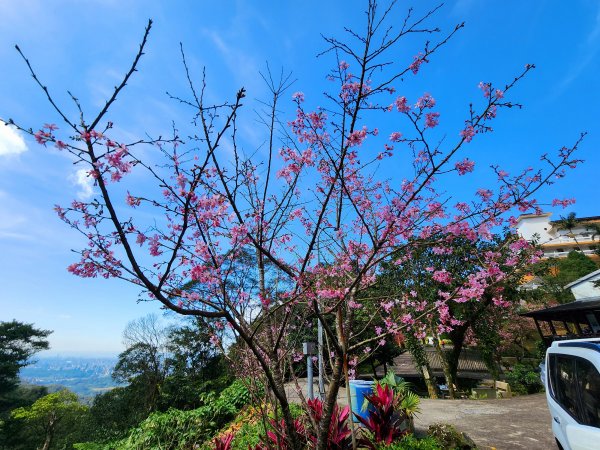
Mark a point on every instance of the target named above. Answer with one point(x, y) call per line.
point(85, 46)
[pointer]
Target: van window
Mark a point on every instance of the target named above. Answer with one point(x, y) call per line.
point(575, 385)
point(589, 385)
point(564, 387)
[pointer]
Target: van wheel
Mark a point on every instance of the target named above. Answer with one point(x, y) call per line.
point(560, 447)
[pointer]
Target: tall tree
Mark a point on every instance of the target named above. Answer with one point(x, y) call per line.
point(316, 208)
point(194, 364)
point(18, 343)
point(143, 364)
point(440, 271)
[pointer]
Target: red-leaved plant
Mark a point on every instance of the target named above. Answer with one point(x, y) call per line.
point(278, 438)
point(224, 442)
point(384, 421)
point(340, 436)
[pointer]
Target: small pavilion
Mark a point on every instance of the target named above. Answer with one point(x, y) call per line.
point(578, 319)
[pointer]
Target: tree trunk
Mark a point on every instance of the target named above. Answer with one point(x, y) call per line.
point(330, 401)
point(429, 381)
point(49, 433)
point(445, 367)
point(457, 337)
point(419, 356)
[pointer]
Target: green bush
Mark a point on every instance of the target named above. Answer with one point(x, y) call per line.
point(248, 428)
point(182, 430)
point(524, 380)
point(410, 442)
point(248, 435)
point(171, 430)
point(450, 438)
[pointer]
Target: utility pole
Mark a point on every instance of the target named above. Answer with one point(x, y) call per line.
point(309, 351)
point(320, 362)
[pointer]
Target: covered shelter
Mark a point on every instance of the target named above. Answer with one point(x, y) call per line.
point(579, 319)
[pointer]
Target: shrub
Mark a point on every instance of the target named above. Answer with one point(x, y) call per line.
point(182, 430)
point(449, 437)
point(405, 400)
point(524, 380)
point(410, 442)
point(171, 430)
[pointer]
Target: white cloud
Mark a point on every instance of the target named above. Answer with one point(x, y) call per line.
point(85, 182)
point(11, 141)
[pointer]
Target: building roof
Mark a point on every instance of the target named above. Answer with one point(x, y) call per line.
point(583, 279)
point(559, 312)
point(578, 219)
point(470, 364)
point(532, 216)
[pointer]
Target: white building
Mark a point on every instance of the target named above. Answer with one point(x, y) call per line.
point(556, 241)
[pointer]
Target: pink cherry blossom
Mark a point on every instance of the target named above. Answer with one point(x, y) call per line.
point(468, 133)
point(465, 166)
point(432, 119)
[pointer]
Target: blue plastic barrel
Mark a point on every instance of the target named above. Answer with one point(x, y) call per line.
point(358, 390)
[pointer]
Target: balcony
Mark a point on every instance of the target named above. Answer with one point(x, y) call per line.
point(564, 254)
point(581, 239)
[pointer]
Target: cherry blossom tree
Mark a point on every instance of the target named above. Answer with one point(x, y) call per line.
point(257, 245)
point(441, 270)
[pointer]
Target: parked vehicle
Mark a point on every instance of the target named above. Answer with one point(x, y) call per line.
point(572, 380)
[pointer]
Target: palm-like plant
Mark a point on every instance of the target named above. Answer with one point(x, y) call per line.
point(393, 407)
point(405, 399)
point(384, 423)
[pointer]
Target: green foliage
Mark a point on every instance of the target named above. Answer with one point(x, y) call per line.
point(249, 435)
point(405, 399)
point(450, 438)
point(14, 434)
point(113, 413)
point(555, 274)
point(95, 446)
point(181, 430)
point(231, 400)
point(410, 442)
point(194, 366)
point(23, 395)
point(165, 368)
point(18, 342)
point(54, 420)
point(524, 380)
point(171, 430)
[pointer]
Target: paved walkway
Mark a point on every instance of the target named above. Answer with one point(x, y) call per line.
point(514, 423)
point(505, 424)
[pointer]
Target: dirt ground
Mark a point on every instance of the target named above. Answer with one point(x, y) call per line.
point(504, 424)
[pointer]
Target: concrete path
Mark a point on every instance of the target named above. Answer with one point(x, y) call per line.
point(505, 424)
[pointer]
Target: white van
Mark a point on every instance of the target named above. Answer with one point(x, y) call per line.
point(572, 381)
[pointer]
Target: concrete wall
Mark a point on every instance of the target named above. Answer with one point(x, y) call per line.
point(528, 227)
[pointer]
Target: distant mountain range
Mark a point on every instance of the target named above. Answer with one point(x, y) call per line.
point(86, 376)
